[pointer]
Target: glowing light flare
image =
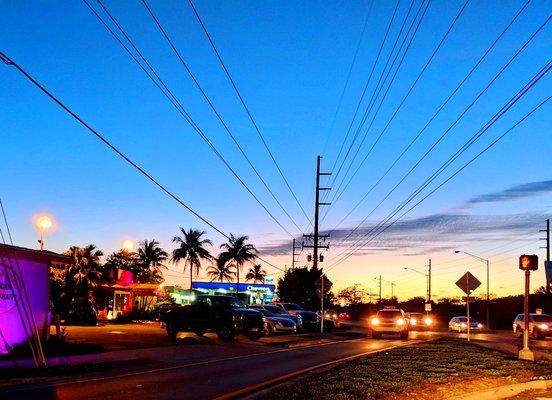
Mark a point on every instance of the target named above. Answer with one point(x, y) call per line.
point(375, 321)
point(128, 245)
point(44, 223)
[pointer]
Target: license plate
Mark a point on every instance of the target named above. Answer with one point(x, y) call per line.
point(254, 329)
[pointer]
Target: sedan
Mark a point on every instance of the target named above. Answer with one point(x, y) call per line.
point(460, 324)
point(276, 324)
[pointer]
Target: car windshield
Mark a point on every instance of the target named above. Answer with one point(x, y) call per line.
point(226, 302)
point(542, 318)
point(266, 313)
point(292, 306)
point(389, 314)
point(276, 310)
point(464, 319)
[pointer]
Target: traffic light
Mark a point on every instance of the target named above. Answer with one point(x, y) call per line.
point(528, 263)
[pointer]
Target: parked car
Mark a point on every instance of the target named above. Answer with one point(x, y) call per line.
point(389, 321)
point(311, 320)
point(419, 321)
point(81, 312)
point(280, 312)
point(460, 324)
point(276, 324)
point(540, 325)
point(226, 315)
point(331, 315)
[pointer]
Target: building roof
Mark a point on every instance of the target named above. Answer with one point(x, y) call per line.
point(8, 251)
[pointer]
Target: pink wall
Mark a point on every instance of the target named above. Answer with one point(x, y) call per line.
point(35, 275)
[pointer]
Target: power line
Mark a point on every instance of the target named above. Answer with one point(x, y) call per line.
point(177, 104)
point(405, 97)
point(376, 92)
point(497, 75)
point(213, 108)
point(533, 81)
point(103, 139)
point(346, 85)
point(367, 84)
point(249, 114)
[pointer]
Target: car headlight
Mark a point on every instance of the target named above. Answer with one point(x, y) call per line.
point(543, 327)
point(463, 325)
point(413, 321)
point(428, 321)
point(375, 321)
point(401, 321)
point(480, 326)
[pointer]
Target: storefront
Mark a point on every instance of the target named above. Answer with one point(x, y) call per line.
point(124, 296)
point(249, 293)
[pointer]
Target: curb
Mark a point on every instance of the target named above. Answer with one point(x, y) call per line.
point(503, 392)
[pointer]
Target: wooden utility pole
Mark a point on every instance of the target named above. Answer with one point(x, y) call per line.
point(316, 236)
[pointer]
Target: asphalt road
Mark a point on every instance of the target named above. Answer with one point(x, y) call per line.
point(199, 372)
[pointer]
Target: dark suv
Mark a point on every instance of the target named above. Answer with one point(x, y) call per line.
point(226, 315)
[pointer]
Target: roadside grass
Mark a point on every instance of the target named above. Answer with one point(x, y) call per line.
point(441, 363)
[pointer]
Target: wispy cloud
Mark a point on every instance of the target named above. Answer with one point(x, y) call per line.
point(440, 232)
point(518, 192)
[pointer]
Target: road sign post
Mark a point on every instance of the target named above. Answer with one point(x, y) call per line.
point(527, 264)
point(468, 283)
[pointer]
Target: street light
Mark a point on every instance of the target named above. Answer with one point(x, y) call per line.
point(428, 277)
point(483, 260)
point(43, 223)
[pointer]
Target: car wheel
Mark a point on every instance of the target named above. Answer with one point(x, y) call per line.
point(172, 331)
point(269, 329)
point(535, 334)
point(376, 335)
point(404, 335)
point(226, 333)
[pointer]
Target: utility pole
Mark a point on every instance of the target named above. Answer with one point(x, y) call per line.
point(294, 254)
point(379, 295)
point(316, 236)
point(429, 282)
point(547, 247)
point(392, 286)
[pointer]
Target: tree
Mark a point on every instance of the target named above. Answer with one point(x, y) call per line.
point(240, 252)
point(191, 249)
point(222, 270)
point(150, 256)
point(256, 274)
point(298, 285)
point(124, 260)
point(85, 269)
point(352, 295)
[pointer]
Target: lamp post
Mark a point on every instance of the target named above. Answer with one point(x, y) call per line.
point(428, 277)
point(486, 261)
point(43, 223)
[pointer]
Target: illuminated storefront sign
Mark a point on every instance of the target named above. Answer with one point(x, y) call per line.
point(257, 292)
point(7, 294)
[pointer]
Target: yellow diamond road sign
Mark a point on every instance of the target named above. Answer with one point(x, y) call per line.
point(468, 283)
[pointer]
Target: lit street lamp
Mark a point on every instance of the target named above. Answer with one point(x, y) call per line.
point(43, 223)
point(483, 260)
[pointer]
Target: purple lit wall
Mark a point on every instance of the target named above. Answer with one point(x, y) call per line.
point(35, 276)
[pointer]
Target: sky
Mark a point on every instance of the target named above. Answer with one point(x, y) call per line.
point(301, 68)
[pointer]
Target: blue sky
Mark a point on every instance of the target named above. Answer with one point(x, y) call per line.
point(290, 61)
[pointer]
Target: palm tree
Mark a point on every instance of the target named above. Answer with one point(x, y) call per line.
point(256, 274)
point(191, 249)
point(151, 256)
point(239, 252)
point(221, 270)
point(85, 269)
